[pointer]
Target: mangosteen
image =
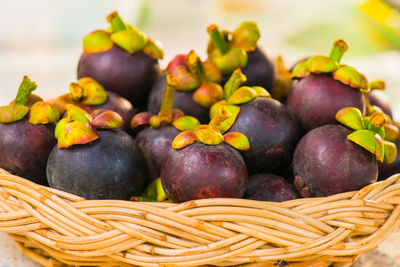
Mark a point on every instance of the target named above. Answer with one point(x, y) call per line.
point(271, 128)
point(238, 49)
point(155, 133)
point(122, 59)
point(197, 90)
point(94, 159)
point(332, 159)
point(200, 165)
point(269, 187)
point(27, 134)
point(89, 95)
point(325, 86)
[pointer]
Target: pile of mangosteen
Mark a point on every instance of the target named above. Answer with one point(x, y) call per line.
point(235, 125)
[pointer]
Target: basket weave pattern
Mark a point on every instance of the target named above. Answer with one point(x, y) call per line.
point(56, 228)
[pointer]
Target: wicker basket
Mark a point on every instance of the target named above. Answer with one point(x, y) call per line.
point(55, 228)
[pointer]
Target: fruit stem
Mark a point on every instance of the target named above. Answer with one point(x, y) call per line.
point(195, 65)
point(218, 38)
point(116, 22)
point(24, 91)
point(217, 121)
point(338, 50)
point(168, 97)
point(235, 81)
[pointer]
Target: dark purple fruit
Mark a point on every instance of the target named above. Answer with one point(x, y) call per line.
point(203, 171)
point(315, 100)
point(121, 106)
point(129, 75)
point(387, 170)
point(269, 187)
point(111, 167)
point(25, 148)
point(380, 99)
point(155, 144)
point(272, 131)
point(182, 100)
point(325, 162)
point(259, 70)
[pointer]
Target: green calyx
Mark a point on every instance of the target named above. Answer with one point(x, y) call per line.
point(369, 132)
point(124, 35)
point(200, 77)
point(283, 82)
point(323, 64)
point(167, 114)
point(87, 92)
point(229, 50)
point(39, 113)
point(79, 127)
point(210, 134)
point(153, 193)
point(235, 95)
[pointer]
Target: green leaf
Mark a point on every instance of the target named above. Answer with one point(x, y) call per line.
point(390, 151)
point(350, 117)
point(369, 140)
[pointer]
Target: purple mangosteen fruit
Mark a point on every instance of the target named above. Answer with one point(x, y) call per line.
point(271, 128)
point(332, 159)
point(94, 159)
point(157, 131)
point(200, 165)
point(269, 187)
point(122, 59)
point(324, 88)
point(27, 134)
point(238, 49)
point(89, 95)
point(198, 87)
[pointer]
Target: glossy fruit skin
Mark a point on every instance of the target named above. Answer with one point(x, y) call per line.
point(315, 100)
point(120, 105)
point(25, 148)
point(155, 145)
point(269, 187)
point(387, 170)
point(202, 171)
point(378, 98)
point(272, 131)
point(111, 167)
point(182, 100)
point(129, 75)
point(325, 162)
point(260, 70)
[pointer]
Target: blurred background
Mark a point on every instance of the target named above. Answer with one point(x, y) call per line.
point(42, 38)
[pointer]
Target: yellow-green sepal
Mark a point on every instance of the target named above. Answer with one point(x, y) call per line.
point(88, 92)
point(12, 113)
point(231, 60)
point(186, 123)
point(153, 49)
point(60, 126)
point(75, 113)
point(369, 140)
point(106, 119)
point(42, 113)
point(300, 70)
point(76, 132)
point(184, 139)
point(131, 40)
point(351, 117)
point(207, 94)
point(246, 36)
point(154, 192)
point(209, 136)
point(390, 151)
point(140, 119)
point(96, 42)
point(321, 64)
point(237, 140)
point(261, 92)
point(233, 109)
point(242, 95)
point(350, 76)
point(368, 125)
point(391, 132)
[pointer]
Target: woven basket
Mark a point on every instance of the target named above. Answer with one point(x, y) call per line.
point(55, 228)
